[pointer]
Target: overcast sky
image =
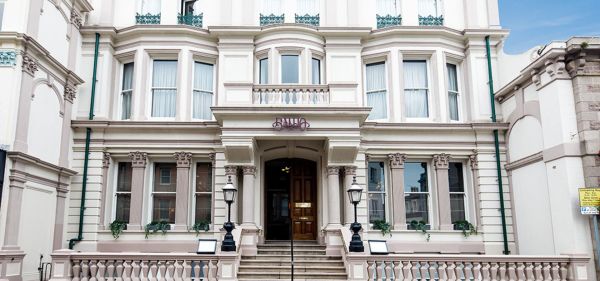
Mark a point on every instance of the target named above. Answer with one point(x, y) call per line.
point(537, 22)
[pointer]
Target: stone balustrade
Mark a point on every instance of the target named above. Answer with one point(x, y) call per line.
point(467, 267)
point(290, 94)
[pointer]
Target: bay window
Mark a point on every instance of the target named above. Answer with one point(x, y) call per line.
point(203, 91)
point(457, 192)
point(203, 193)
point(263, 70)
point(164, 192)
point(164, 88)
point(416, 193)
point(126, 91)
point(123, 192)
point(290, 69)
point(316, 71)
point(452, 91)
point(376, 90)
point(416, 89)
point(376, 192)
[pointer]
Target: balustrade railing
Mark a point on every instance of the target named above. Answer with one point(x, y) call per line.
point(271, 19)
point(189, 19)
point(431, 20)
point(308, 19)
point(147, 18)
point(388, 20)
point(291, 94)
point(469, 267)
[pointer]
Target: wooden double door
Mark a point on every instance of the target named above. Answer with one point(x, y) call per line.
point(291, 199)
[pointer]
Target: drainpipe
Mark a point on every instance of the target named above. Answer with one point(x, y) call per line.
point(497, 146)
point(88, 134)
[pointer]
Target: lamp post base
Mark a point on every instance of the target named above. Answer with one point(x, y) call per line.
point(356, 245)
point(228, 244)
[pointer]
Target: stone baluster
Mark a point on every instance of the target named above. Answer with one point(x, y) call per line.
point(170, 271)
point(85, 270)
point(415, 270)
point(441, 270)
point(76, 271)
point(397, 270)
point(423, 270)
point(380, 267)
point(563, 271)
point(538, 272)
point(187, 271)
point(388, 270)
point(371, 270)
point(555, 272)
point(93, 270)
point(432, 269)
point(451, 272)
point(213, 270)
point(162, 269)
point(486, 271)
point(153, 271)
point(179, 270)
point(119, 269)
point(110, 271)
point(136, 269)
point(520, 271)
point(127, 269)
point(512, 271)
point(529, 272)
point(406, 271)
point(477, 271)
point(494, 272)
point(101, 270)
point(468, 271)
point(145, 271)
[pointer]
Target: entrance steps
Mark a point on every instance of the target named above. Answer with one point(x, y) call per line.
point(273, 262)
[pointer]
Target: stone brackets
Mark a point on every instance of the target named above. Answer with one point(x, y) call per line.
point(342, 152)
point(239, 151)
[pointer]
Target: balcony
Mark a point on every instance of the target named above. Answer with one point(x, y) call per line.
point(431, 20)
point(308, 19)
point(290, 94)
point(147, 18)
point(191, 20)
point(388, 20)
point(271, 19)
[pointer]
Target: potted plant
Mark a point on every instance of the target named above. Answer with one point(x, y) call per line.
point(117, 227)
point(383, 226)
point(466, 227)
point(420, 226)
point(201, 225)
point(154, 227)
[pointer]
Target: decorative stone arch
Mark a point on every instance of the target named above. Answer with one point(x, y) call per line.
point(512, 126)
point(56, 4)
point(48, 82)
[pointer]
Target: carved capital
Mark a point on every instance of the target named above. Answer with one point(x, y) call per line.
point(76, 19)
point(184, 159)
point(249, 170)
point(138, 159)
point(474, 162)
point(350, 170)
point(213, 159)
point(231, 170)
point(441, 161)
point(69, 93)
point(29, 64)
point(105, 160)
point(333, 170)
point(397, 160)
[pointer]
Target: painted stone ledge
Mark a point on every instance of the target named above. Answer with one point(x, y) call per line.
point(11, 265)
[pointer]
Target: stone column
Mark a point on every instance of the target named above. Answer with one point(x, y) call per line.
point(29, 66)
point(231, 171)
point(398, 205)
point(184, 161)
point(349, 173)
point(248, 190)
point(59, 219)
point(13, 212)
point(333, 195)
point(138, 165)
point(104, 191)
point(441, 163)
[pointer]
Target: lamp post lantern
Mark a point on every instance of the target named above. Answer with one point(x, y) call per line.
point(228, 244)
point(354, 195)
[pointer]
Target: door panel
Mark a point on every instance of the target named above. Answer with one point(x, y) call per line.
point(304, 200)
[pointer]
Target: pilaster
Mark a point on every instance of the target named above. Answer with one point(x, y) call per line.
point(104, 191)
point(28, 66)
point(232, 171)
point(333, 194)
point(138, 165)
point(248, 195)
point(349, 174)
point(399, 209)
point(442, 164)
point(184, 161)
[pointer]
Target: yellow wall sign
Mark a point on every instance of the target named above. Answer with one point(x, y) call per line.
point(589, 201)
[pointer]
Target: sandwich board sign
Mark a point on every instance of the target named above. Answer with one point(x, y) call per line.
point(589, 201)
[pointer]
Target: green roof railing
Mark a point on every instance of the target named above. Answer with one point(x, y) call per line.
point(431, 20)
point(190, 19)
point(271, 19)
point(308, 19)
point(147, 18)
point(388, 20)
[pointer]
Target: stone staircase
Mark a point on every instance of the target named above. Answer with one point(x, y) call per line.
point(273, 263)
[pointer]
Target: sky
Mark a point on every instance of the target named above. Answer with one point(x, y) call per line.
point(538, 22)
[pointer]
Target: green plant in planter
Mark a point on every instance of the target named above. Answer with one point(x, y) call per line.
point(383, 226)
point(466, 227)
point(117, 227)
point(154, 227)
point(201, 225)
point(420, 226)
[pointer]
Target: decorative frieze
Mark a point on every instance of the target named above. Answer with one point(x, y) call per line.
point(69, 94)
point(184, 159)
point(29, 64)
point(76, 19)
point(441, 161)
point(105, 160)
point(231, 170)
point(249, 170)
point(474, 162)
point(397, 160)
point(213, 159)
point(333, 170)
point(8, 58)
point(138, 159)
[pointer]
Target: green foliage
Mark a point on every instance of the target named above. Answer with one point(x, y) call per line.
point(201, 225)
point(466, 227)
point(117, 227)
point(383, 226)
point(584, 45)
point(420, 226)
point(154, 227)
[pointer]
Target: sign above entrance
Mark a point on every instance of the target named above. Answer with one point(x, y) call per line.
point(291, 123)
point(589, 201)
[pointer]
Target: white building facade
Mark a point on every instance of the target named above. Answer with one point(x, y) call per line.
point(155, 105)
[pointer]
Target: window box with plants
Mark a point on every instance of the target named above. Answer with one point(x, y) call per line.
point(202, 225)
point(117, 227)
point(384, 226)
point(154, 227)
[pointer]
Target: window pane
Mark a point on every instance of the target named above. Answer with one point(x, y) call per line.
point(417, 208)
point(164, 83)
point(122, 209)
point(388, 7)
point(289, 69)
point(376, 177)
point(126, 105)
point(376, 90)
point(165, 177)
point(272, 7)
point(1, 13)
point(127, 76)
point(204, 177)
point(203, 207)
point(316, 71)
point(264, 71)
point(150, 6)
point(415, 75)
point(164, 208)
point(376, 77)
point(415, 177)
point(376, 207)
point(203, 77)
point(429, 8)
point(165, 74)
point(307, 7)
point(416, 89)
point(457, 207)
point(452, 77)
point(453, 105)
point(455, 177)
point(124, 177)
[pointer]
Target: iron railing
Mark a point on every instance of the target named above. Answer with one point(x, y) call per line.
point(308, 19)
point(271, 19)
point(190, 19)
point(431, 20)
point(388, 20)
point(147, 18)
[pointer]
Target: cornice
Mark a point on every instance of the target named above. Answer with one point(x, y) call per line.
point(107, 124)
point(23, 157)
point(435, 126)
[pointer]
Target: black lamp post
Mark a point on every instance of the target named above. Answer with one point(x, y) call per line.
point(354, 194)
point(228, 244)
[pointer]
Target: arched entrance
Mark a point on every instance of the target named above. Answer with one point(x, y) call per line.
point(291, 196)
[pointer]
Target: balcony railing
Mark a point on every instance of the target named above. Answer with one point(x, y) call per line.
point(308, 19)
point(190, 19)
point(388, 20)
point(8, 58)
point(291, 94)
point(469, 267)
point(271, 19)
point(431, 20)
point(147, 18)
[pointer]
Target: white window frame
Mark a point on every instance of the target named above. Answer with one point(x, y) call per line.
point(427, 60)
point(387, 86)
point(299, 56)
point(439, 9)
point(195, 193)
point(122, 91)
point(214, 78)
point(153, 192)
point(263, 55)
point(465, 193)
point(320, 70)
point(385, 192)
point(397, 4)
point(431, 194)
point(141, 8)
point(458, 93)
point(282, 6)
point(150, 82)
point(116, 192)
point(2, 12)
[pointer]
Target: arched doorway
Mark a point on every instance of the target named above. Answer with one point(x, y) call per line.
point(291, 196)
